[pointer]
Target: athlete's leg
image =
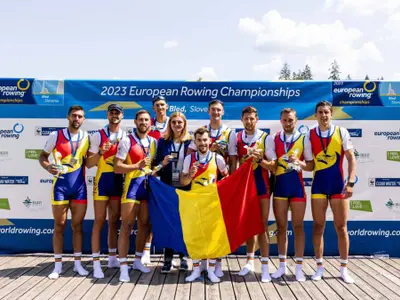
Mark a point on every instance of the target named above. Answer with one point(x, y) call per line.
point(319, 205)
point(281, 207)
point(78, 212)
point(147, 247)
point(250, 249)
point(263, 239)
point(100, 214)
point(60, 218)
point(340, 215)
point(114, 214)
point(129, 212)
point(298, 208)
point(143, 226)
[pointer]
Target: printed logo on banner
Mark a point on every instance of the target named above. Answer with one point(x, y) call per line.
point(46, 180)
point(129, 130)
point(90, 180)
point(32, 153)
point(182, 108)
point(307, 181)
point(4, 204)
point(4, 156)
point(15, 91)
point(393, 155)
point(361, 205)
point(384, 182)
point(14, 180)
point(389, 93)
point(394, 207)
point(390, 135)
point(12, 133)
point(355, 93)
point(33, 205)
point(355, 132)
point(45, 131)
point(48, 92)
point(91, 132)
point(362, 157)
point(303, 129)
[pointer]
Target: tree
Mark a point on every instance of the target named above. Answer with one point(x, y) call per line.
point(380, 78)
point(366, 77)
point(285, 72)
point(348, 77)
point(307, 74)
point(334, 71)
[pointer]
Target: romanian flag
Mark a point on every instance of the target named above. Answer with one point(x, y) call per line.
point(209, 222)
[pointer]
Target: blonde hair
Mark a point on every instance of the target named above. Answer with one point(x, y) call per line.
point(169, 135)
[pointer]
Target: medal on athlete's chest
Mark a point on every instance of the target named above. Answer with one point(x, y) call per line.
point(174, 156)
point(73, 161)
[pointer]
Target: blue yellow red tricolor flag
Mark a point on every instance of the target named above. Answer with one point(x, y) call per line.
point(210, 222)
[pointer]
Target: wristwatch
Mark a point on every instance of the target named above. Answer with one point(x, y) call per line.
point(350, 184)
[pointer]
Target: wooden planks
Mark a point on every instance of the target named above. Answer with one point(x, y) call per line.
point(25, 277)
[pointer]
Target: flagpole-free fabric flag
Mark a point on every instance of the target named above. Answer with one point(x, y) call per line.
point(209, 222)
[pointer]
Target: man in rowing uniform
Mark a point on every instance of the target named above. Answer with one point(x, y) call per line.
point(330, 144)
point(201, 168)
point(158, 129)
point(252, 142)
point(134, 158)
point(69, 148)
point(288, 147)
point(222, 142)
point(107, 188)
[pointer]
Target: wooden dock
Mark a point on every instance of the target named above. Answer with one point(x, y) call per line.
point(25, 277)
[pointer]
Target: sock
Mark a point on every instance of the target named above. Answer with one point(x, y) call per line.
point(147, 247)
point(57, 267)
point(146, 254)
point(299, 269)
point(112, 258)
point(265, 277)
point(344, 273)
point(282, 267)
point(97, 271)
point(124, 270)
point(78, 265)
point(320, 270)
point(211, 271)
point(137, 264)
point(196, 273)
point(249, 267)
point(218, 268)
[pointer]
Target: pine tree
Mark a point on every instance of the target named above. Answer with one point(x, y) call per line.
point(366, 77)
point(307, 74)
point(334, 71)
point(294, 76)
point(285, 72)
point(348, 77)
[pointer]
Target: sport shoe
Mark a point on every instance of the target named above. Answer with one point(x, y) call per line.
point(184, 265)
point(166, 267)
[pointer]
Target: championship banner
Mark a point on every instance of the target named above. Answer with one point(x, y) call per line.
point(30, 109)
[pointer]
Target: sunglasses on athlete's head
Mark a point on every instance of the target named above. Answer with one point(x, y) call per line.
point(159, 98)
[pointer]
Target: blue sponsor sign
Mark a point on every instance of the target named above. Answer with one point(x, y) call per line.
point(384, 182)
point(16, 91)
point(355, 132)
point(45, 131)
point(14, 180)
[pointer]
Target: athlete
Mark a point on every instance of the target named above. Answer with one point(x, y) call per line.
point(68, 147)
point(288, 147)
point(158, 129)
point(134, 158)
point(330, 144)
point(201, 168)
point(107, 188)
point(222, 142)
point(252, 142)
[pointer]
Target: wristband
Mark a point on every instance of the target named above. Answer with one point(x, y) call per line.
point(350, 184)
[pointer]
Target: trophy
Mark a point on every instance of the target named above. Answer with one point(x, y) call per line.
point(294, 165)
point(57, 163)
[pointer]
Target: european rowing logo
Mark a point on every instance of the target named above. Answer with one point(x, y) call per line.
point(13, 133)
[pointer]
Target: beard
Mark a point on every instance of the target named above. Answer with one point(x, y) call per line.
point(75, 125)
point(142, 129)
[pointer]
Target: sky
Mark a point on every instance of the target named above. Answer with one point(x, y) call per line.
point(185, 40)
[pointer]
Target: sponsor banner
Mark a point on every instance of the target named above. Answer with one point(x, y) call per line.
point(16, 91)
point(14, 180)
point(53, 97)
point(366, 238)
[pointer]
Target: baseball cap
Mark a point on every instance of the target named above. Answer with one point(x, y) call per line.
point(158, 98)
point(115, 107)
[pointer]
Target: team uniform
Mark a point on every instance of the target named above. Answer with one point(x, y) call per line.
point(210, 166)
point(258, 141)
point(70, 185)
point(289, 183)
point(223, 135)
point(107, 184)
point(328, 149)
point(134, 149)
point(158, 129)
